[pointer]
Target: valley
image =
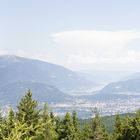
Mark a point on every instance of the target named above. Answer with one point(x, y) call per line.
point(64, 90)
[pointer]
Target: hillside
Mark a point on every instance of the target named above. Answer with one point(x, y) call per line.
point(11, 93)
point(109, 121)
point(131, 86)
point(18, 69)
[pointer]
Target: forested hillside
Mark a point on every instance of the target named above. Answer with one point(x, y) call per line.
point(29, 122)
point(108, 121)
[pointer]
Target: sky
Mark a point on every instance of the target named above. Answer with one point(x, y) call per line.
point(77, 34)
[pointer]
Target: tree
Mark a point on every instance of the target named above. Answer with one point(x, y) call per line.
point(48, 125)
point(8, 123)
point(75, 121)
point(86, 132)
point(27, 110)
point(126, 129)
point(1, 125)
point(98, 131)
point(117, 132)
point(76, 126)
point(131, 128)
point(18, 132)
point(137, 125)
point(66, 129)
point(28, 114)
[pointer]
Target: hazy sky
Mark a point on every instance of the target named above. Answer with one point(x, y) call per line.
point(79, 34)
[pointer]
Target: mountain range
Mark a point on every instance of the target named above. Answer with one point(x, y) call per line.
point(49, 82)
point(15, 69)
point(127, 88)
point(46, 80)
point(130, 86)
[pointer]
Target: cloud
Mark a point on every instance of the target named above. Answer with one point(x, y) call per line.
point(86, 49)
point(97, 47)
point(3, 52)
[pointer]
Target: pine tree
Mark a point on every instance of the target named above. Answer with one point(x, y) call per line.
point(9, 122)
point(18, 132)
point(98, 129)
point(27, 110)
point(131, 128)
point(117, 132)
point(48, 125)
point(5, 127)
point(76, 126)
point(126, 129)
point(1, 125)
point(11, 115)
point(28, 114)
point(135, 129)
point(1, 118)
point(75, 121)
point(54, 123)
point(86, 132)
point(66, 129)
point(136, 125)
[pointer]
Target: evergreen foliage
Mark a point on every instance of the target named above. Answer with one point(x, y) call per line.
point(27, 110)
point(31, 123)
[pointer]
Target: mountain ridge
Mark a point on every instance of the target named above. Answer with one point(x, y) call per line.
point(40, 71)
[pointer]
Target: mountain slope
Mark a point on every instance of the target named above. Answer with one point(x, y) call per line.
point(131, 86)
point(17, 69)
point(41, 92)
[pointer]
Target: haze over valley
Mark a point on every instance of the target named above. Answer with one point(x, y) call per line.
point(64, 89)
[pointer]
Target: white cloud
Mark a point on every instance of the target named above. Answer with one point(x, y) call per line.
point(3, 52)
point(87, 49)
point(97, 47)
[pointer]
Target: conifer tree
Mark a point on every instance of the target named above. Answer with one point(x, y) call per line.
point(66, 129)
point(27, 110)
point(1, 118)
point(136, 125)
point(117, 132)
point(28, 114)
point(131, 128)
point(9, 122)
point(48, 125)
point(1, 125)
point(98, 129)
point(18, 132)
point(7, 125)
point(75, 120)
point(76, 126)
point(126, 129)
point(86, 132)
point(11, 115)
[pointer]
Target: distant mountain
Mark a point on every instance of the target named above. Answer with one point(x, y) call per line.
point(42, 92)
point(133, 76)
point(129, 87)
point(19, 69)
point(125, 89)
